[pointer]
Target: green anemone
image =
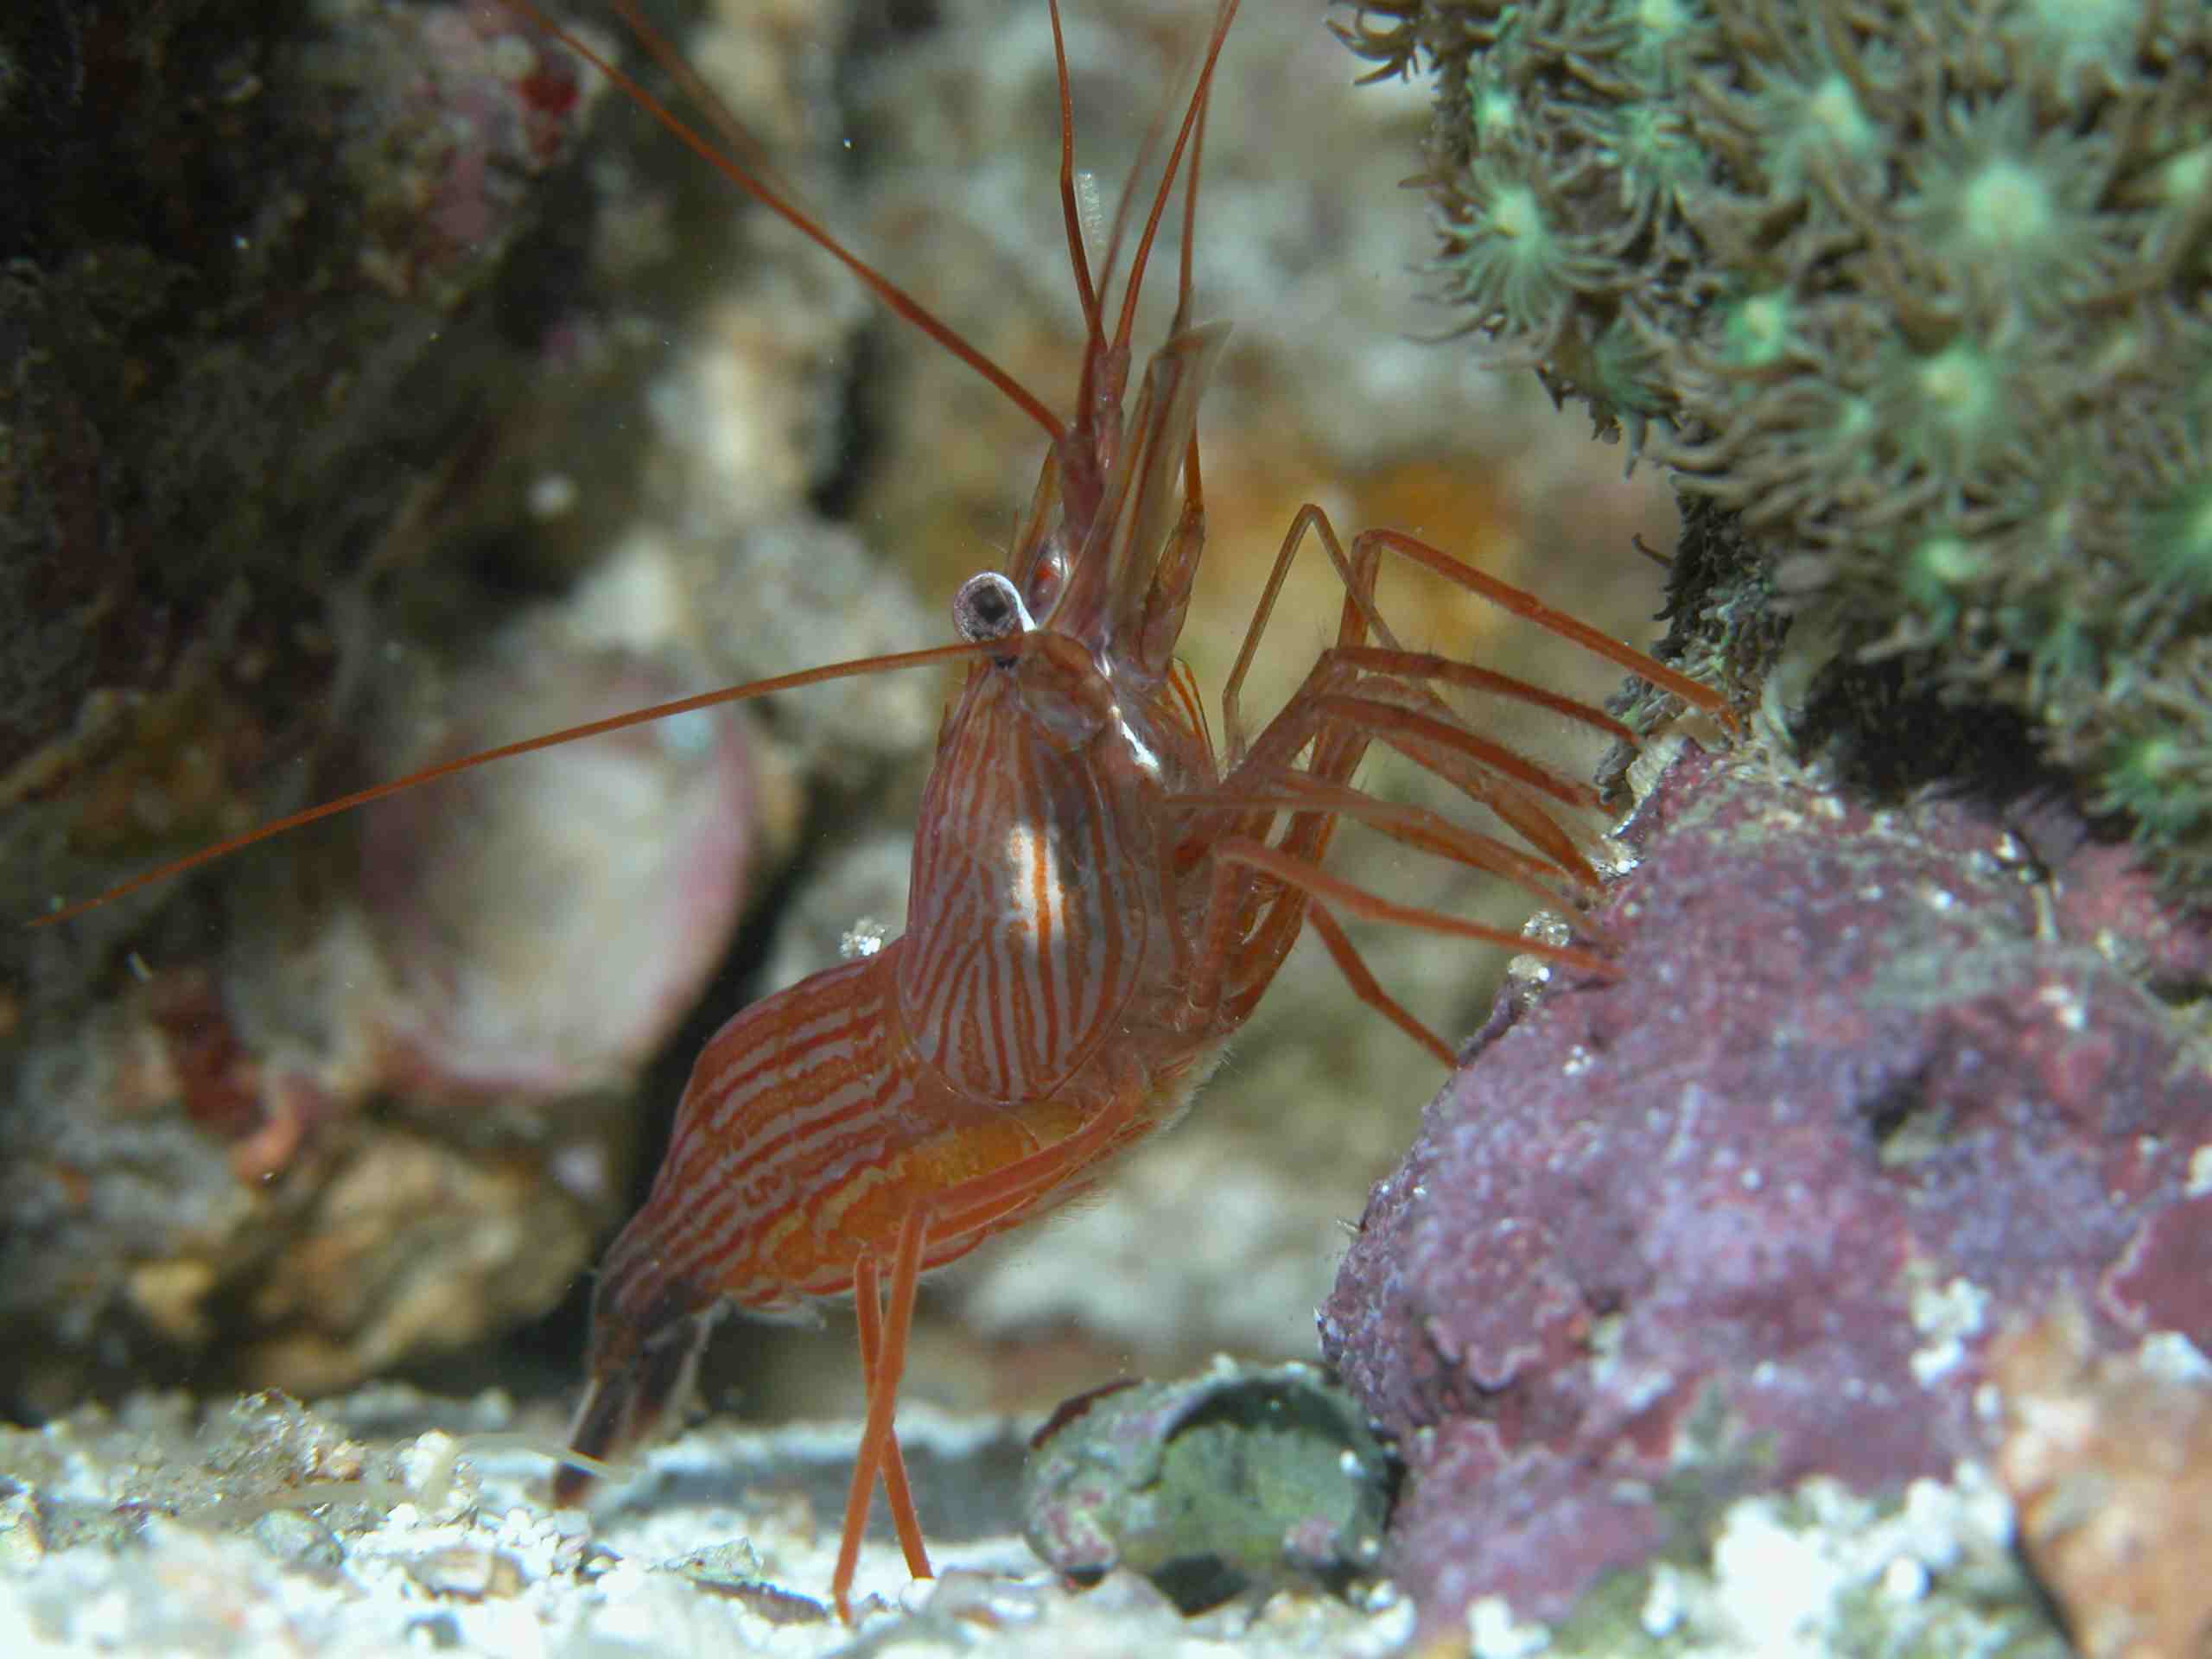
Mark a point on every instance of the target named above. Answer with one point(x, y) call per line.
point(1661, 35)
point(1625, 370)
point(2076, 49)
point(1939, 571)
point(1919, 290)
point(2009, 212)
point(2159, 782)
point(1814, 130)
point(1951, 411)
point(1493, 109)
point(1759, 330)
point(1655, 158)
point(1510, 253)
point(2173, 543)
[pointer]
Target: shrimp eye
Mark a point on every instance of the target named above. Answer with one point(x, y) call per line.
point(988, 607)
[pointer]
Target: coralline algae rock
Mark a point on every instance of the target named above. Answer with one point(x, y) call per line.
point(1871, 1086)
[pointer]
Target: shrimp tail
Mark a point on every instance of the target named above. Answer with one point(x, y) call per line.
point(646, 1342)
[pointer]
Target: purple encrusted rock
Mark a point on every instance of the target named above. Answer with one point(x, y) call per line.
point(1871, 1086)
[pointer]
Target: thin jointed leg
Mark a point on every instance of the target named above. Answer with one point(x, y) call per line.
point(867, 1302)
point(882, 1401)
point(969, 1205)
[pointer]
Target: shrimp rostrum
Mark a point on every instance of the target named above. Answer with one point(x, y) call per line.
point(1100, 896)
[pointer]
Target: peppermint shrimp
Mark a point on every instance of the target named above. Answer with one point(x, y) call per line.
point(1100, 899)
point(1101, 895)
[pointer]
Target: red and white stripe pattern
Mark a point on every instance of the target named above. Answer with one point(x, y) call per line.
point(794, 1109)
point(965, 1067)
point(1027, 931)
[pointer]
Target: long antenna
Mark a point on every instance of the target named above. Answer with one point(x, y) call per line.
point(1192, 114)
point(900, 302)
point(1079, 259)
point(591, 728)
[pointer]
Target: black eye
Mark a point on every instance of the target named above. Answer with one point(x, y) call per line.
point(988, 607)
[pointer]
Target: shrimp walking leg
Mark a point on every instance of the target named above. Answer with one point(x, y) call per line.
point(1355, 693)
point(964, 1208)
point(1365, 988)
point(1523, 603)
point(882, 1401)
point(1316, 883)
point(867, 1303)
